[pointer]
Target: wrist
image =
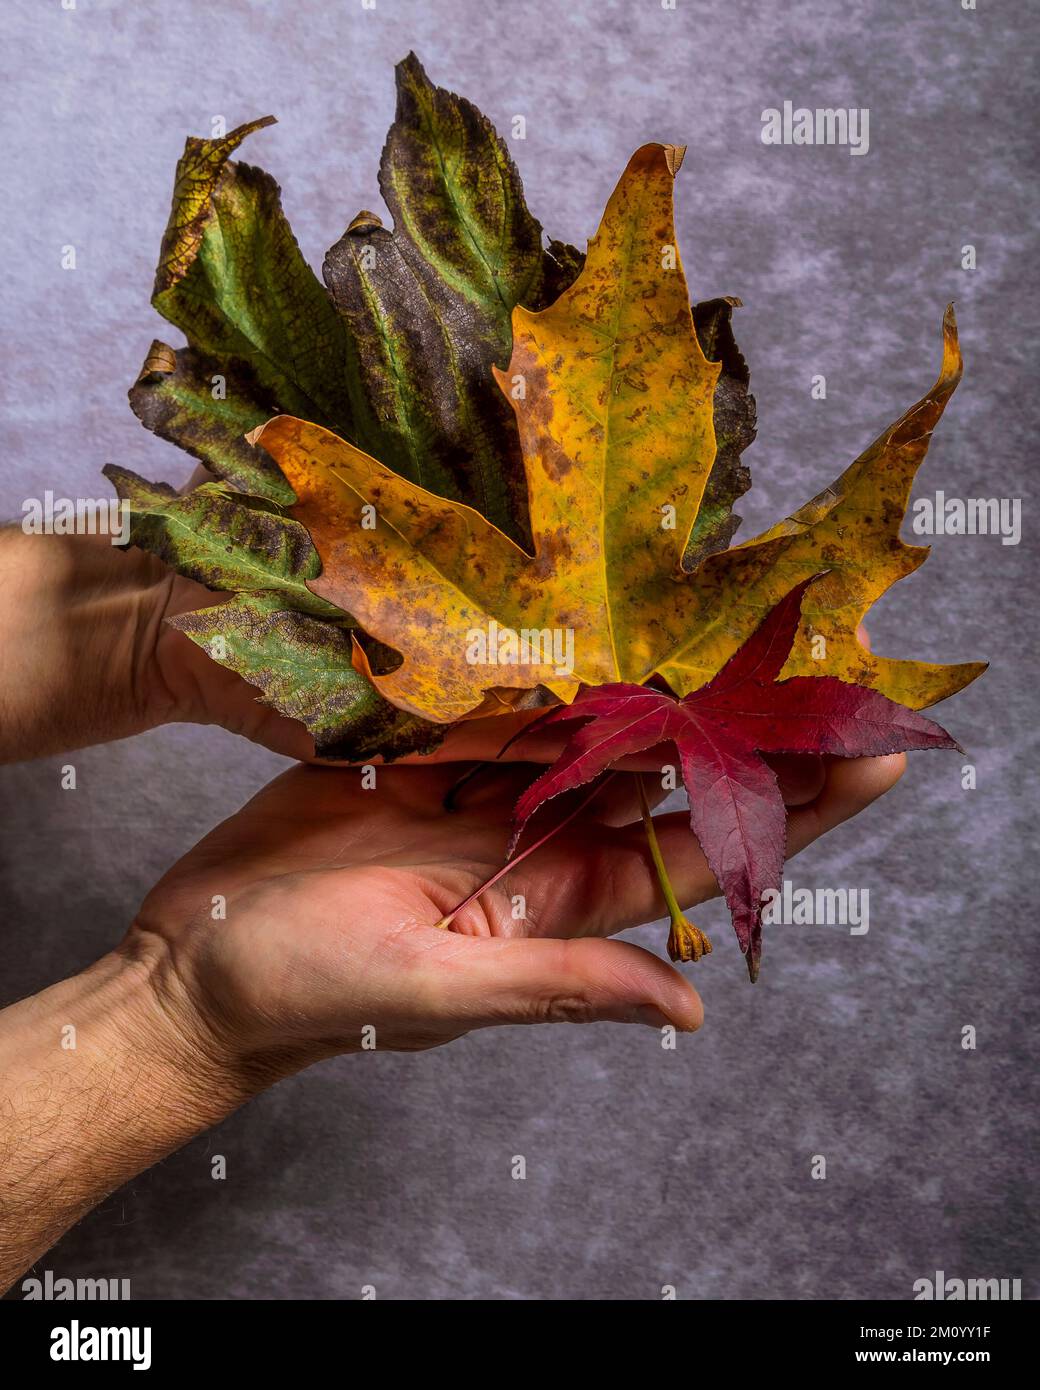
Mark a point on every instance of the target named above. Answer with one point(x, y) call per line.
point(101, 1076)
point(125, 1016)
point(198, 1072)
point(196, 1037)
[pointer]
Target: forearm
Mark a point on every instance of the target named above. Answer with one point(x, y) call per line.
point(100, 1077)
point(79, 622)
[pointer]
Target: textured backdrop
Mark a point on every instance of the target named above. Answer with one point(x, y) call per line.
point(644, 1167)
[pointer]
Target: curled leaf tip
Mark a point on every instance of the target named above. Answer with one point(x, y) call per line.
point(253, 435)
point(227, 144)
point(160, 361)
point(674, 156)
point(364, 223)
point(359, 660)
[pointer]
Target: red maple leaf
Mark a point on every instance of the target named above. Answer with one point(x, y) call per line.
point(719, 733)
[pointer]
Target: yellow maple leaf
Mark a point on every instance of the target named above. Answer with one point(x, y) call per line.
point(614, 399)
point(851, 531)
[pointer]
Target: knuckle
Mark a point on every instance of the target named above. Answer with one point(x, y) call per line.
point(567, 1008)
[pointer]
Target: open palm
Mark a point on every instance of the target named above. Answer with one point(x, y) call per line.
point(308, 917)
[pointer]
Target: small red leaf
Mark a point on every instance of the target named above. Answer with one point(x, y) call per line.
point(763, 655)
point(739, 818)
point(719, 732)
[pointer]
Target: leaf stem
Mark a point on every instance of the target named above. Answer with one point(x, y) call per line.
point(451, 799)
point(685, 941)
point(510, 864)
point(674, 910)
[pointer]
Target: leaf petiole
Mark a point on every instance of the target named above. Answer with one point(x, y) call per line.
point(449, 917)
point(685, 941)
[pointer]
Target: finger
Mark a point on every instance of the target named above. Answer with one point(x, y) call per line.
point(619, 802)
point(852, 784)
point(801, 777)
point(495, 980)
point(620, 859)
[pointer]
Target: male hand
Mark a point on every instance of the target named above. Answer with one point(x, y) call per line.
point(306, 919)
point(332, 892)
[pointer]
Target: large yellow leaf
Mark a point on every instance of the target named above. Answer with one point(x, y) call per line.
point(418, 572)
point(851, 530)
point(614, 399)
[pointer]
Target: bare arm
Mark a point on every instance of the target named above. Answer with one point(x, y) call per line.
point(98, 1080)
point(324, 943)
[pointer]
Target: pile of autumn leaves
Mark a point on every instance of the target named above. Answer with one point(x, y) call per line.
point(465, 426)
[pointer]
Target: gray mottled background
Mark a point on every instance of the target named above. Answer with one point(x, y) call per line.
point(645, 1167)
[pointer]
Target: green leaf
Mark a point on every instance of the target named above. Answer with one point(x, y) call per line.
point(233, 279)
point(303, 666)
point(223, 539)
point(428, 306)
point(207, 405)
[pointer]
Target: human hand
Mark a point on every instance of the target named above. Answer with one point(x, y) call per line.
point(305, 920)
point(332, 893)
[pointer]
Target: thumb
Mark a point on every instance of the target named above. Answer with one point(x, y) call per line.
point(498, 980)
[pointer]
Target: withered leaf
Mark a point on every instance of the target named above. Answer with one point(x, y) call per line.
point(232, 278)
point(735, 429)
point(174, 398)
point(428, 304)
point(224, 540)
point(304, 668)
